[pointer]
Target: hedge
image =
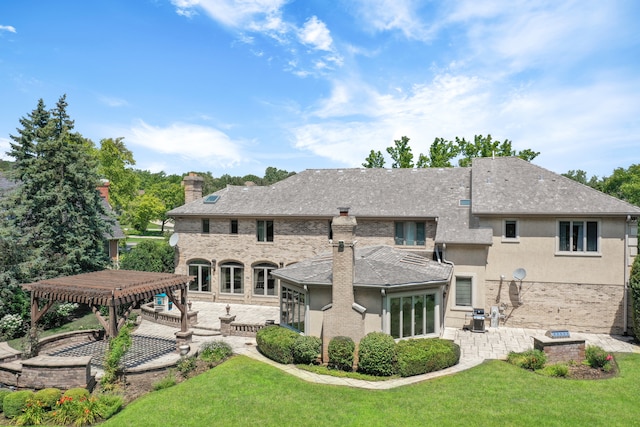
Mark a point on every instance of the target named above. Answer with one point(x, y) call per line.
point(377, 354)
point(15, 402)
point(306, 349)
point(48, 396)
point(276, 343)
point(419, 356)
point(341, 351)
point(3, 393)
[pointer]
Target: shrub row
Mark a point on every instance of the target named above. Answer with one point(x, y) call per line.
point(286, 346)
point(75, 406)
point(378, 352)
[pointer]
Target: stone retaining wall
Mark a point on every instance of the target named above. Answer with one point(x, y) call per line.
point(168, 318)
point(48, 371)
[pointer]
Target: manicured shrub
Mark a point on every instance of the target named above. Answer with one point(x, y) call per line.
point(306, 349)
point(14, 403)
point(341, 351)
point(214, 351)
point(557, 370)
point(598, 358)
point(77, 393)
point(419, 356)
point(276, 343)
point(3, 394)
point(531, 359)
point(48, 396)
point(377, 354)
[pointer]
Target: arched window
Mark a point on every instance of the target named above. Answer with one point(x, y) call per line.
point(232, 278)
point(202, 270)
point(263, 282)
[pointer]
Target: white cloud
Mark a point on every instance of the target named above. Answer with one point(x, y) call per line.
point(8, 28)
point(111, 101)
point(568, 125)
point(259, 14)
point(201, 144)
point(394, 15)
point(4, 147)
point(315, 33)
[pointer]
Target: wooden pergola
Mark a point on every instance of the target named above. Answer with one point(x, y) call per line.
point(111, 288)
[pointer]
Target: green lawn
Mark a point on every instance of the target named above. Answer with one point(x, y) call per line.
point(244, 392)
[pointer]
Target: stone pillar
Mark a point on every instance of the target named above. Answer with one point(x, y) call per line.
point(341, 319)
point(192, 187)
point(225, 324)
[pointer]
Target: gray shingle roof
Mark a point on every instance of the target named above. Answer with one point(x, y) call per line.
point(375, 266)
point(509, 185)
point(504, 185)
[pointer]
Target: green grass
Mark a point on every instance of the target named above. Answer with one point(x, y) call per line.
point(87, 321)
point(243, 392)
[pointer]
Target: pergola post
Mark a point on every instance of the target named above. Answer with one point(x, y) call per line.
point(113, 322)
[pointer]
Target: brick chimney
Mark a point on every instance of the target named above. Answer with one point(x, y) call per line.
point(192, 187)
point(103, 188)
point(342, 319)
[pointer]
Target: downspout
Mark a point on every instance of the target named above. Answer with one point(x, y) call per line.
point(626, 277)
point(445, 303)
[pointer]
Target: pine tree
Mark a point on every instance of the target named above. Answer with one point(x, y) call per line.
point(56, 211)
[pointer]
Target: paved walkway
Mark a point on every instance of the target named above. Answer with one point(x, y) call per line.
point(496, 343)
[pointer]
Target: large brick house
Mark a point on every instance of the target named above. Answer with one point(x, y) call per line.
point(416, 250)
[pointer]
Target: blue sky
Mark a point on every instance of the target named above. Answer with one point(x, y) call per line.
point(236, 86)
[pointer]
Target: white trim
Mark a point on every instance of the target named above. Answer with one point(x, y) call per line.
point(436, 292)
point(474, 291)
point(506, 239)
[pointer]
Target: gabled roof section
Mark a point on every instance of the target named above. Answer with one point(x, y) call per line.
point(512, 186)
point(375, 266)
point(373, 193)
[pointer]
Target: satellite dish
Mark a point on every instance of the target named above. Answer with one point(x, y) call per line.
point(173, 240)
point(519, 274)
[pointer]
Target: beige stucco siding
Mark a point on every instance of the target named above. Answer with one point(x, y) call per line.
point(536, 252)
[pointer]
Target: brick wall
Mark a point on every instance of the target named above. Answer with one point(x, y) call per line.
point(576, 307)
point(294, 240)
point(561, 350)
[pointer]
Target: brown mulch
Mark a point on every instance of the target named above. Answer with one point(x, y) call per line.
point(586, 372)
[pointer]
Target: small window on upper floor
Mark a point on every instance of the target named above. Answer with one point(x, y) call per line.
point(205, 226)
point(410, 233)
point(510, 231)
point(234, 226)
point(265, 231)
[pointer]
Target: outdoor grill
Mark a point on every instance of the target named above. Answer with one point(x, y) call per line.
point(477, 320)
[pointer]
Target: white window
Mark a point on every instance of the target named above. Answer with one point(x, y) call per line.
point(232, 278)
point(201, 269)
point(410, 233)
point(413, 314)
point(263, 282)
point(578, 236)
point(464, 291)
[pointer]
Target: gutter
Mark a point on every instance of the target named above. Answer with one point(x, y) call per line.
point(445, 292)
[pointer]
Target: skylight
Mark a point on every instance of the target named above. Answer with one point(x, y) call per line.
point(211, 199)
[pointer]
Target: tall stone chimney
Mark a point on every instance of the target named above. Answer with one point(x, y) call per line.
point(342, 319)
point(192, 187)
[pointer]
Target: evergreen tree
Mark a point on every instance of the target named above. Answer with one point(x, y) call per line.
point(56, 211)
